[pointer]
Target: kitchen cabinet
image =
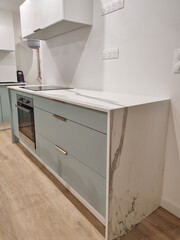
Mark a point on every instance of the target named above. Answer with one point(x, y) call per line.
point(7, 42)
point(107, 149)
point(46, 19)
point(82, 134)
point(76, 130)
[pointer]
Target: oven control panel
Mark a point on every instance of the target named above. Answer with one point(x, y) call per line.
point(25, 100)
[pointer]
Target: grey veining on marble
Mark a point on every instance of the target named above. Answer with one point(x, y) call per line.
point(97, 100)
point(137, 153)
point(117, 155)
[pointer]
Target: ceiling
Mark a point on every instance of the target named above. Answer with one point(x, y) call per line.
point(11, 4)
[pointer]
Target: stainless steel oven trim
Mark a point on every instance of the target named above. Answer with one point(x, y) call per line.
point(29, 141)
point(23, 109)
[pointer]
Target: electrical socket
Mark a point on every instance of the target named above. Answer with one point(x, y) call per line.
point(110, 53)
point(112, 6)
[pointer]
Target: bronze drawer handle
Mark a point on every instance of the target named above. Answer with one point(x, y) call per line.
point(61, 150)
point(59, 117)
point(37, 30)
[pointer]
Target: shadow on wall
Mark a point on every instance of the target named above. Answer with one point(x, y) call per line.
point(6, 58)
point(27, 61)
point(171, 193)
point(75, 58)
point(3, 56)
point(66, 51)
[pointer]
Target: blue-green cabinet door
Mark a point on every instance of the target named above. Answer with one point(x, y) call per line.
point(0, 110)
point(5, 104)
point(88, 183)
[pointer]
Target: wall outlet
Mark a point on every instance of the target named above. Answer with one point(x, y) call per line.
point(111, 53)
point(112, 6)
point(177, 61)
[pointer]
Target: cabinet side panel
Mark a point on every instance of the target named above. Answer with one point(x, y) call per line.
point(137, 152)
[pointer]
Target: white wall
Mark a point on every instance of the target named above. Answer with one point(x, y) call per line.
point(23, 58)
point(74, 59)
point(147, 33)
point(26, 58)
point(7, 67)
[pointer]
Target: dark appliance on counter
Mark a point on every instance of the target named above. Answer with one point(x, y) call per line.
point(26, 120)
point(20, 76)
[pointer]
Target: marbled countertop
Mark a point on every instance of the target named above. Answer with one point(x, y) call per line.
point(98, 100)
point(11, 84)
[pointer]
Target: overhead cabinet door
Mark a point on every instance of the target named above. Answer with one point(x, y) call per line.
point(30, 15)
point(45, 19)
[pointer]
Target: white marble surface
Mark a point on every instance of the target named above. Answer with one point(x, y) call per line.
point(11, 84)
point(136, 166)
point(99, 100)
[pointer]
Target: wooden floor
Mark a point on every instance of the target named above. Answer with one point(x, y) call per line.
point(35, 206)
point(161, 225)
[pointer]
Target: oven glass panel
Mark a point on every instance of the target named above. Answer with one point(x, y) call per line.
point(26, 122)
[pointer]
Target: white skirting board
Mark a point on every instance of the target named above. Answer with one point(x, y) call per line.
point(175, 210)
point(84, 202)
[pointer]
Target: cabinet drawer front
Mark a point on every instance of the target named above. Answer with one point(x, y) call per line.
point(46, 151)
point(90, 185)
point(93, 119)
point(87, 145)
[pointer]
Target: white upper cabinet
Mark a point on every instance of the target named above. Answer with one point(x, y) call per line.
point(6, 31)
point(45, 19)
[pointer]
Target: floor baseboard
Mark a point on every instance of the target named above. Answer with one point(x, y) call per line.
point(170, 207)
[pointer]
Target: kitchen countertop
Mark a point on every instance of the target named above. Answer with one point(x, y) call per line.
point(11, 84)
point(98, 100)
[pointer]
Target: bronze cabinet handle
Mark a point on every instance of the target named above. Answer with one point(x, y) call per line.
point(60, 149)
point(38, 29)
point(59, 117)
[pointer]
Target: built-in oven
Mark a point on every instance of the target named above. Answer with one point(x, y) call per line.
point(26, 119)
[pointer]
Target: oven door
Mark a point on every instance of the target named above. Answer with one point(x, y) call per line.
point(26, 123)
